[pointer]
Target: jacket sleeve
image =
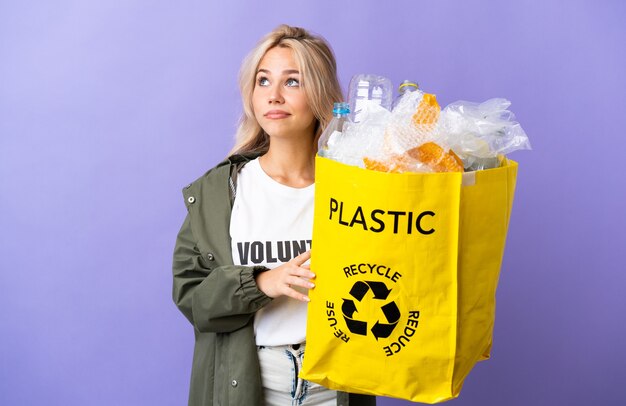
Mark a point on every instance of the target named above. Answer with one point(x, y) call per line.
point(221, 299)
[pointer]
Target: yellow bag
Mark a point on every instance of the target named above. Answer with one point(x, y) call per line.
point(407, 267)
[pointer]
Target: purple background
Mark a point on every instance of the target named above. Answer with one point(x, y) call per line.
point(108, 108)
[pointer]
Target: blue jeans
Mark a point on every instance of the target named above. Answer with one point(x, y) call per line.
point(280, 366)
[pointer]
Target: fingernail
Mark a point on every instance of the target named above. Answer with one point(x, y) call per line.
point(311, 285)
point(308, 299)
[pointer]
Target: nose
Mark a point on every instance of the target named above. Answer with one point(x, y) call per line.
point(275, 95)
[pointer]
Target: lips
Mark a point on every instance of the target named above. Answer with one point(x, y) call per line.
point(276, 114)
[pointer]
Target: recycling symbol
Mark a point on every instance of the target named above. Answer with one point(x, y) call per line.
point(390, 310)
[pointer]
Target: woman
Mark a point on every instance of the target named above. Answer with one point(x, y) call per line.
point(240, 273)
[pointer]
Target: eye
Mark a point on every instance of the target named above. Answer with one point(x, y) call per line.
point(262, 81)
point(292, 82)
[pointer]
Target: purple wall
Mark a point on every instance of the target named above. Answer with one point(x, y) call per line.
point(108, 108)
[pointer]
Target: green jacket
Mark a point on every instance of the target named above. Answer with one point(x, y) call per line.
point(219, 298)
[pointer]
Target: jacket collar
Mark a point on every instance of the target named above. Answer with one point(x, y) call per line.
point(236, 162)
point(240, 159)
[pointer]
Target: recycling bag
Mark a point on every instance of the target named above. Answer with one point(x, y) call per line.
point(406, 272)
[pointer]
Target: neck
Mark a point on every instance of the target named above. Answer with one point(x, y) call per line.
point(290, 162)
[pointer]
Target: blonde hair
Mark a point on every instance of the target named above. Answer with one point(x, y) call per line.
point(318, 70)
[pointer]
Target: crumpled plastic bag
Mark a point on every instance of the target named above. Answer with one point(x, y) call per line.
point(479, 132)
point(418, 136)
point(358, 140)
point(412, 142)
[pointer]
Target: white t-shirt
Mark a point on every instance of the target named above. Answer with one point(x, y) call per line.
point(270, 224)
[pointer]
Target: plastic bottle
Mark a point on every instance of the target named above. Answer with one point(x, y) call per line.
point(341, 112)
point(405, 87)
point(366, 88)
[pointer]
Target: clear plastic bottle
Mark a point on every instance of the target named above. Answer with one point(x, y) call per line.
point(341, 111)
point(366, 88)
point(405, 87)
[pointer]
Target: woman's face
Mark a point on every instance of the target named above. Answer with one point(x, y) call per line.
point(279, 103)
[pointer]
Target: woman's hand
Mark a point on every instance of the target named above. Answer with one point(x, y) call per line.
point(280, 280)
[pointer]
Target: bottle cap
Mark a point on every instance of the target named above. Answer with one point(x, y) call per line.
point(407, 84)
point(377, 94)
point(363, 88)
point(341, 108)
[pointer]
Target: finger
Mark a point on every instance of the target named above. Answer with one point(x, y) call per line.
point(296, 295)
point(295, 281)
point(302, 272)
point(302, 258)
